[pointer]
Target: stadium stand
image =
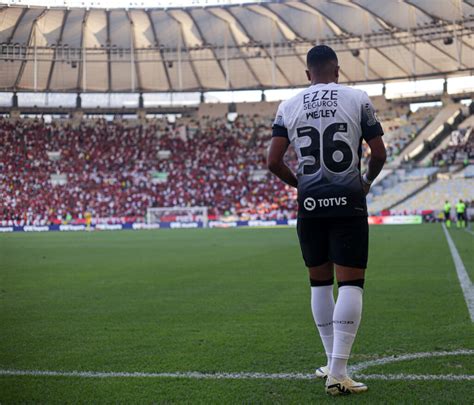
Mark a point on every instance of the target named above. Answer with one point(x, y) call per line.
point(459, 137)
point(401, 130)
point(397, 186)
point(447, 115)
point(434, 196)
point(459, 147)
point(120, 168)
point(397, 193)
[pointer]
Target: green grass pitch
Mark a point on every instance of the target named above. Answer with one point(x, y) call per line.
point(234, 300)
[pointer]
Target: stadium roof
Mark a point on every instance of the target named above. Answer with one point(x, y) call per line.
point(252, 46)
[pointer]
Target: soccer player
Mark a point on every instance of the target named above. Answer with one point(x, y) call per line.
point(447, 213)
point(326, 124)
point(461, 214)
point(88, 217)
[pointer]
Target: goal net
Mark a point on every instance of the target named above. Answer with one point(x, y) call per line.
point(177, 214)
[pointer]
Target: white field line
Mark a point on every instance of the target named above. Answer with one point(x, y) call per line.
point(186, 374)
point(404, 357)
point(417, 377)
point(265, 376)
point(468, 230)
point(464, 280)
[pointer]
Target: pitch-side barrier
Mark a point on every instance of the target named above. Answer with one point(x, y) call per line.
point(388, 220)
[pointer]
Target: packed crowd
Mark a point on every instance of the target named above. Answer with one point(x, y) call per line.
point(63, 169)
point(112, 169)
point(459, 151)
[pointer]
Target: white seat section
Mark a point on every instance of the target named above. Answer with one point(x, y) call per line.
point(468, 172)
point(434, 196)
point(394, 194)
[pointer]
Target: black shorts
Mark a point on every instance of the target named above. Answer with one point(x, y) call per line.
point(461, 216)
point(341, 240)
point(446, 216)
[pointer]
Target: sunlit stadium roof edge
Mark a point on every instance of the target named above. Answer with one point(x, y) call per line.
point(129, 5)
point(126, 4)
point(259, 45)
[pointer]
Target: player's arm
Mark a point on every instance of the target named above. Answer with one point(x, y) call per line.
point(378, 155)
point(278, 148)
point(372, 132)
point(275, 162)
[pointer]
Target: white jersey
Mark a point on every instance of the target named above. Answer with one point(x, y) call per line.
point(326, 123)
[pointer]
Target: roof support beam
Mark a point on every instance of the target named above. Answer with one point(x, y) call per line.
point(439, 49)
point(191, 62)
point(383, 21)
point(133, 61)
point(343, 30)
point(17, 24)
point(31, 37)
point(265, 50)
point(413, 49)
point(55, 53)
point(320, 15)
point(280, 20)
point(403, 45)
point(108, 50)
point(82, 74)
point(400, 67)
point(432, 16)
point(266, 11)
point(247, 64)
point(204, 42)
point(157, 45)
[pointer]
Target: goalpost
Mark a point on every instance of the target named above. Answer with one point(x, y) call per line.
point(177, 214)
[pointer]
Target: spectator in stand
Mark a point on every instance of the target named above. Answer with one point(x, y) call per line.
point(459, 151)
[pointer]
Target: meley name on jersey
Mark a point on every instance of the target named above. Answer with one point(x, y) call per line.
point(326, 124)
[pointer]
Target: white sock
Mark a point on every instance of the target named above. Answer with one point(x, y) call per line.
point(322, 306)
point(347, 314)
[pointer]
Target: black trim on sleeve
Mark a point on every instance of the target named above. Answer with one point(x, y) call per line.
point(372, 133)
point(279, 131)
point(369, 123)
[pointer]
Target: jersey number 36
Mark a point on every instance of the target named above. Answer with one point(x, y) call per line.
point(337, 155)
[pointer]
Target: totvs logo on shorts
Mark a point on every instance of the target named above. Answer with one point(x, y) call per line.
point(310, 203)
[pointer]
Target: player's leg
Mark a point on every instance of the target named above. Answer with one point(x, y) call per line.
point(348, 248)
point(447, 219)
point(322, 307)
point(347, 316)
point(313, 237)
point(458, 222)
point(463, 221)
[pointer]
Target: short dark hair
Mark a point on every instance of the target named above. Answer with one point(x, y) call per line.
point(319, 56)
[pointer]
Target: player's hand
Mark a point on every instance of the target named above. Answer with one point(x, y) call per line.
point(366, 188)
